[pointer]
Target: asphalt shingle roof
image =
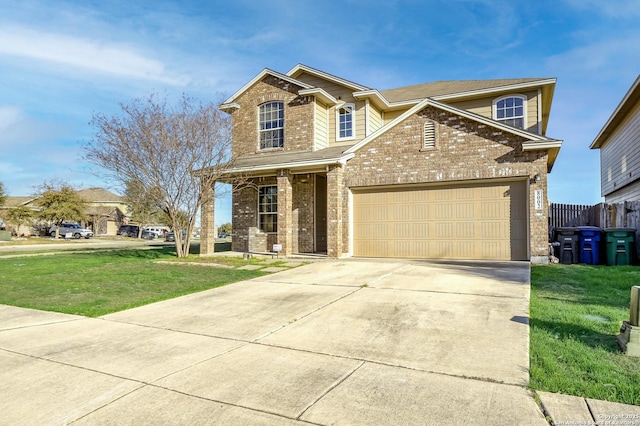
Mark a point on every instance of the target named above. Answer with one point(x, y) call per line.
point(448, 87)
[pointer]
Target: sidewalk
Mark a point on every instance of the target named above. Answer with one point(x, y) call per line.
point(573, 410)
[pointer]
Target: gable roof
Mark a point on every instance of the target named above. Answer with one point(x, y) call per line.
point(300, 69)
point(414, 97)
point(18, 201)
point(97, 195)
point(229, 103)
point(628, 102)
point(457, 88)
point(535, 141)
point(406, 96)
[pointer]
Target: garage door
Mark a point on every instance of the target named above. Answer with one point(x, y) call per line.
point(472, 221)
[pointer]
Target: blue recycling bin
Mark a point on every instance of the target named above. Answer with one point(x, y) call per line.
point(589, 243)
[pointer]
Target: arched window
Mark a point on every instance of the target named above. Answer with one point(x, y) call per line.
point(271, 119)
point(346, 121)
point(510, 110)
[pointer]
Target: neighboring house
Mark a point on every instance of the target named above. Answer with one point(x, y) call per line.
point(13, 202)
point(619, 145)
point(106, 211)
point(446, 170)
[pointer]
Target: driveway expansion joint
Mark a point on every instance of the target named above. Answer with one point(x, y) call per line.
point(332, 387)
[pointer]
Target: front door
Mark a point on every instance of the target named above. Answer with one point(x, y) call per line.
point(321, 213)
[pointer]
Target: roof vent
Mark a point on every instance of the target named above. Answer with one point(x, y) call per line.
point(429, 140)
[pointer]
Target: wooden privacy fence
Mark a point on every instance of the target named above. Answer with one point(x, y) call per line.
point(617, 215)
point(603, 215)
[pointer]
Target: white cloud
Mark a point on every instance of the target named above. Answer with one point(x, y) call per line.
point(605, 59)
point(82, 53)
point(8, 116)
point(611, 8)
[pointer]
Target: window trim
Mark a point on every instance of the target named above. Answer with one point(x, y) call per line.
point(261, 131)
point(261, 213)
point(353, 121)
point(494, 110)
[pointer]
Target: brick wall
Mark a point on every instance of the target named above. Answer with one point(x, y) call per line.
point(336, 202)
point(465, 150)
point(298, 117)
point(207, 224)
point(247, 237)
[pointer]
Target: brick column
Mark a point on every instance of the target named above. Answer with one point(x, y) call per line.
point(207, 224)
point(335, 207)
point(285, 212)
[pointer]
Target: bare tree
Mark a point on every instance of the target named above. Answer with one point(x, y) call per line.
point(145, 203)
point(163, 146)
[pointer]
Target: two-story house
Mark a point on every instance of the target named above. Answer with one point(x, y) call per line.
point(618, 142)
point(449, 169)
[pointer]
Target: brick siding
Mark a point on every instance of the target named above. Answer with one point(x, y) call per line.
point(298, 117)
point(465, 150)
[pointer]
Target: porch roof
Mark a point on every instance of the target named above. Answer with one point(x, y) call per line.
point(298, 160)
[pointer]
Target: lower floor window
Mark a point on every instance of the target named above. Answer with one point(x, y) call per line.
point(268, 208)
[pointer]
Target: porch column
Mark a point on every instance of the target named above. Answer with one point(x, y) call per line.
point(335, 209)
point(207, 223)
point(285, 212)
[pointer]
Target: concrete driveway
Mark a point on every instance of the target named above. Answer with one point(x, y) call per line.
point(334, 342)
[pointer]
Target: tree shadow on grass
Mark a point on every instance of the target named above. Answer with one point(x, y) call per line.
point(194, 248)
point(587, 336)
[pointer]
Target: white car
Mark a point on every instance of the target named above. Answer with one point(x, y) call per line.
point(74, 229)
point(159, 232)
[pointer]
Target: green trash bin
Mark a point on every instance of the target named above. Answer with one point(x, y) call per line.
point(620, 245)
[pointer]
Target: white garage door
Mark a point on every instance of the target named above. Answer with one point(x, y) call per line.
point(470, 221)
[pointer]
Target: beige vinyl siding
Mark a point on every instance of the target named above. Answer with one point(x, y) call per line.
point(532, 111)
point(321, 136)
point(389, 116)
point(344, 94)
point(484, 107)
point(619, 156)
point(375, 119)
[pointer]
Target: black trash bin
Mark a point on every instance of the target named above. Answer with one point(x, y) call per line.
point(589, 242)
point(620, 245)
point(568, 249)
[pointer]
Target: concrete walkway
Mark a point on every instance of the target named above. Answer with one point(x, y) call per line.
point(334, 342)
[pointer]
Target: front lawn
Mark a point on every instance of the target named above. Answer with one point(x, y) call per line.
point(98, 283)
point(576, 313)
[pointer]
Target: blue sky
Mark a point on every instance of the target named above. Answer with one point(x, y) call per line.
point(62, 61)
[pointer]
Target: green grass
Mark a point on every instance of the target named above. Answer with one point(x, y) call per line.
point(576, 313)
point(94, 284)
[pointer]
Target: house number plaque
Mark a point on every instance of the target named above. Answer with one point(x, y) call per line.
point(537, 195)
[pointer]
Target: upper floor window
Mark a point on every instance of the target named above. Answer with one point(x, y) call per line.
point(510, 110)
point(271, 118)
point(346, 121)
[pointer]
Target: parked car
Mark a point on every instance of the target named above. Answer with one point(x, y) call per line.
point(148, 235)
point(160, 232)
point(171, 236)
point(128, 231)
point(74, 229)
